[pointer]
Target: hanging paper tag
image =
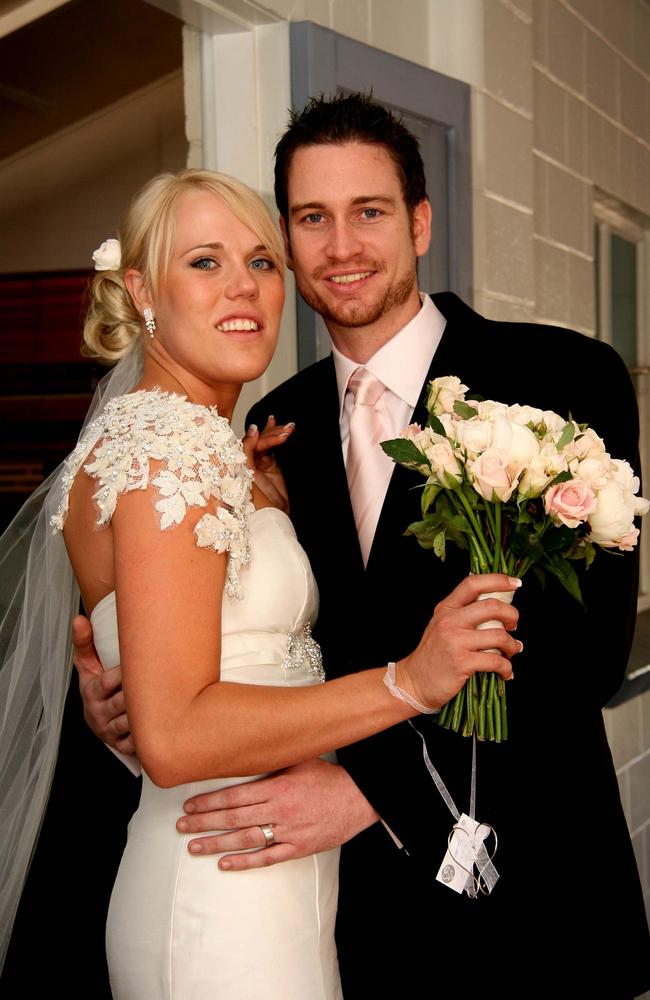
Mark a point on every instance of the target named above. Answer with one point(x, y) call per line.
point(466, 866)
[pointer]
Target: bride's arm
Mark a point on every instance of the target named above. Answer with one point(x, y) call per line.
point(189, 725)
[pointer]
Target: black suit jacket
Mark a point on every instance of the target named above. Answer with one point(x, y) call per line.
point(551, 791)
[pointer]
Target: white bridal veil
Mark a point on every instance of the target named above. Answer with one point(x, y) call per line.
point(38, 599)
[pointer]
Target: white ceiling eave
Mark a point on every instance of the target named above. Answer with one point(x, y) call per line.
point(39, 172)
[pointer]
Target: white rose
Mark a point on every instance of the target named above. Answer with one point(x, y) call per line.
point(517, 441)
point(586, 444)
point(597, 471)
point(641, 506)
point(488, 409)
point(443, 393)
point(554, 422)
point(525, 414)
point(542, 468)
point(108, 256)
point(489, 475)
point(450, 423)
point(474, 435)
point(443, 461)
point(623, 473)
point(612, 521)
point(535, 478)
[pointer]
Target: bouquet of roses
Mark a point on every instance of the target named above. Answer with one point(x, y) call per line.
point(520, 488)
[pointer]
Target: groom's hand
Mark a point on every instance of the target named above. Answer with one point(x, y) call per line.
point(311, 807)
point(101, 691)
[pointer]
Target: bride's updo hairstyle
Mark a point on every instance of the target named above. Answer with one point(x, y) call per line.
point(113, 326)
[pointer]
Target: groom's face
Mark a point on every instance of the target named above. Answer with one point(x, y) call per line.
point(353, 245)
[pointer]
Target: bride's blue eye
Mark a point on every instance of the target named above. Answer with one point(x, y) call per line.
point(204, 263)
point(262, 264)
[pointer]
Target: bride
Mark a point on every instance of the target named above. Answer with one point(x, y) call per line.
point(203, 579)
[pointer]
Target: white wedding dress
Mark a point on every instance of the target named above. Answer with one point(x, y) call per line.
point(178, 927)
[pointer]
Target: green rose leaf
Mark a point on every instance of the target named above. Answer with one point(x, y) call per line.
point(434, 423)
point(567, 435)
point(439, 545)
point(525, 544)
point(429, 494)
point(562, 477)
point(404, 452)
point(590, 554)
point(464, 410)
point(566, 574)
point(558, 540)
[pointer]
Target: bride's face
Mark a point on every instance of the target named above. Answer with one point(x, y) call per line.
point(218, 309)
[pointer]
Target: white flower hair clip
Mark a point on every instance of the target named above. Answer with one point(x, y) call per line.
point(108, 256)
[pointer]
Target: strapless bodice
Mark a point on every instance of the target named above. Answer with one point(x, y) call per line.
point(265, 632)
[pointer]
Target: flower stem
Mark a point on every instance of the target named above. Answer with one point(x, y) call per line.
point(497, 537)
point(474, 521)
point(481, 707)
point(458, 709)
point(444, 714)
point(477, 559)
point(497, 714)
point(470, 706)
point(490, 707)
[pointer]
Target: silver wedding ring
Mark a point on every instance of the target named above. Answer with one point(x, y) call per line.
point(267, 830)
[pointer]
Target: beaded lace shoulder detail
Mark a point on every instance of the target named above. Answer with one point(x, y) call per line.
point(200, 458)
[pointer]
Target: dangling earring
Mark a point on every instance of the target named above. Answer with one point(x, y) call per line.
point(149, 321)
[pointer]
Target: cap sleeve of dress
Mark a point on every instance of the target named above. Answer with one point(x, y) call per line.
point(186, 452)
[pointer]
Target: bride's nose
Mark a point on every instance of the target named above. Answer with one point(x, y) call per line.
point(241, 283)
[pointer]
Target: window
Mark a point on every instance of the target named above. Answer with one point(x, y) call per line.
point(622, 293)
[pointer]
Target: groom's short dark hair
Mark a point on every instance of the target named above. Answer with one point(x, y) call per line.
point(350, 118)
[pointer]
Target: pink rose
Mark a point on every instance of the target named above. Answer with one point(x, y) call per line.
point(490, 476)
point(411, 432)
point(570, 503)
point(420, 438)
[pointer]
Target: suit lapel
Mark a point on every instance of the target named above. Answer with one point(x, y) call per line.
point(323, 514)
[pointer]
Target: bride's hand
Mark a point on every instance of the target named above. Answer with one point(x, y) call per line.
point(453, 648)
point(258, 447)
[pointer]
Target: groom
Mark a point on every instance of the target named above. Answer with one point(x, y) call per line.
point(351, 193)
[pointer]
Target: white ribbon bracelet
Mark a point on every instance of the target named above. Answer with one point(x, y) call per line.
point(398, 692)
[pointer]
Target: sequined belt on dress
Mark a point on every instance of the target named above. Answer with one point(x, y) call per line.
point(295, 651)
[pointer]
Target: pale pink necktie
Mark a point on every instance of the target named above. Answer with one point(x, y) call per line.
point(368, 426)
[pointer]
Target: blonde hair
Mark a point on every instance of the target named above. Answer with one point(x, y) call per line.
point(113, 325)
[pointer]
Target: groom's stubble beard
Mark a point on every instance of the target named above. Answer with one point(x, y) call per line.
point(358, 314)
